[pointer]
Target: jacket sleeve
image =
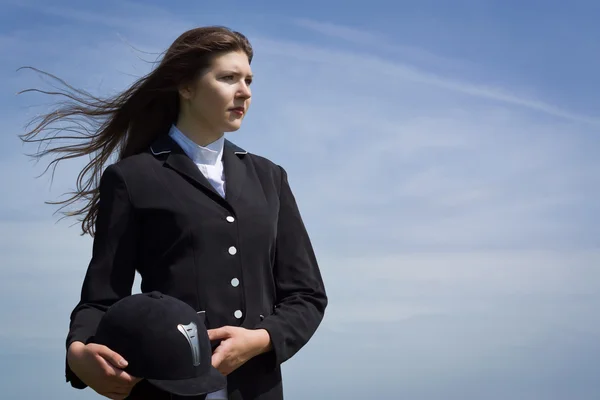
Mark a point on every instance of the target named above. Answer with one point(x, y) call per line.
point(300, 293)
point(111, 271)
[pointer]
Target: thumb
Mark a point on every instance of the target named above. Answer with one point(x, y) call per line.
point(219, 333)
point(112, 357)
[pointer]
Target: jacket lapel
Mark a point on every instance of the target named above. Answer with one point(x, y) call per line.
point(235, 171)
point(176, 159)
point(234, 168)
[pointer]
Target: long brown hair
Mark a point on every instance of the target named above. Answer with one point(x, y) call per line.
point(128, 123)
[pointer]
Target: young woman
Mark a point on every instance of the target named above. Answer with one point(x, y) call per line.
point(200, 218)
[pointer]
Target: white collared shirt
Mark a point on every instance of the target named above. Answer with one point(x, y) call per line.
point(209, 159)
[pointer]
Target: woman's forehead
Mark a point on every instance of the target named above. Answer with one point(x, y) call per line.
point(234, 61)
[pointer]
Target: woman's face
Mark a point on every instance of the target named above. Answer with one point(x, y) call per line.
point(217, 101)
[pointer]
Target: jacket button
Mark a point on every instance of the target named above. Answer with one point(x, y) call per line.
point(230, 218)
point(232, 250)
point(235, 282)
point(237, 314)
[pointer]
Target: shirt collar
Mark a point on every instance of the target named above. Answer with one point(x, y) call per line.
point(210, 154)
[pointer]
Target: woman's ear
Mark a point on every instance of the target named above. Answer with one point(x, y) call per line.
point(186, 92)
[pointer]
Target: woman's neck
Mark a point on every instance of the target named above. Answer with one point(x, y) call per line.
point(196, 132)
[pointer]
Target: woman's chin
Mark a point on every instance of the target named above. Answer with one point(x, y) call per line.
point(232, 126)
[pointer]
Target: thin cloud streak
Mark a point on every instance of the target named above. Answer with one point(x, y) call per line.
point(378, 42)
point(147, 15)
point(331, 56)
point(409, 72)
point(450, 230)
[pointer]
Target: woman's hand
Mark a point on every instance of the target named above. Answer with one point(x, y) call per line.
point(238, 346)
point(100, 368)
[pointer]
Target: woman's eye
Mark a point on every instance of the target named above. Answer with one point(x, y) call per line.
point(228, 77)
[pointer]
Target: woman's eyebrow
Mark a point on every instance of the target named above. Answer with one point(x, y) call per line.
point(236, 72)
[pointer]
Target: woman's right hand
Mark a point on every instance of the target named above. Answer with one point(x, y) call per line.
point(101, 369)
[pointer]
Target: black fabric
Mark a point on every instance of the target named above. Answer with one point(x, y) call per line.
point(143, 390)
point(160, 216)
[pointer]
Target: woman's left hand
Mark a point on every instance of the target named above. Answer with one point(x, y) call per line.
point(238, 345)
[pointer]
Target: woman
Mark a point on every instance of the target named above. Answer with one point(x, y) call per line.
point(200, 218)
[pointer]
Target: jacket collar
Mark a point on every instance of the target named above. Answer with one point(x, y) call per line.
point(166, 149)
point(165, 144)
point(211, 154)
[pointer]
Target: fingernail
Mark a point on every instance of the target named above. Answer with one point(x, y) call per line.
point(123, 363)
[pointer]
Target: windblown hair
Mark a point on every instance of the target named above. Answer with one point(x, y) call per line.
point(129, 122)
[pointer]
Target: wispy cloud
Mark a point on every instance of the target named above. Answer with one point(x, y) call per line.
point(354, 35)
point(403, 71)
point(122, 15)
point(453, 220)
point(378, 43)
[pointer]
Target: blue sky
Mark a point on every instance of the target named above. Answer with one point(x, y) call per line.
point(444, 156)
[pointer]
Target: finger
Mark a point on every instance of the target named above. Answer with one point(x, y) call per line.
point(124, 386)
point(219, 333)
point(116, 396)
point(123, 378)
point(112, 357)
point(115, 393)
point(217, 358)
point(225, 368)
point(121, 388)
point(117, 374)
